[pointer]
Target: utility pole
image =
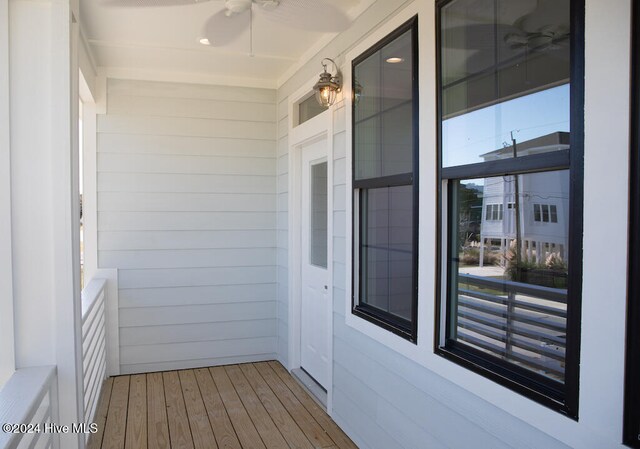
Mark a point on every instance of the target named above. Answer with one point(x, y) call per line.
point(516, 208)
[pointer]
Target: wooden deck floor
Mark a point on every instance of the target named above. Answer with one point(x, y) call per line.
point(254, 405)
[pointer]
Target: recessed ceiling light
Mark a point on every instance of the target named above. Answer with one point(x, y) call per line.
point(395, 60)
point(205, 41)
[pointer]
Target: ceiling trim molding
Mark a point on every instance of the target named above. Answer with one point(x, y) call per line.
point(184, 77)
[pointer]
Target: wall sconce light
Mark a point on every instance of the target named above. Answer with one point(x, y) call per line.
point(328, 85)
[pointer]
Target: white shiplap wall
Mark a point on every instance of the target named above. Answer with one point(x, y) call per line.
point(187, 213)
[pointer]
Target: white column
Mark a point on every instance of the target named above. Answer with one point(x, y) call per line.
point(45, 211)
point(7, 352)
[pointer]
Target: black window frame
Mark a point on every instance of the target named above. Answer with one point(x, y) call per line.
point(564, 400)
point(403, 328)
point(631, 428)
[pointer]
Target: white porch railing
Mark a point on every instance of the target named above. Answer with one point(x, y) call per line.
point(28, 404)
point(94, 359)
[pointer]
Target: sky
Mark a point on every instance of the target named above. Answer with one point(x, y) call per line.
point(466, 137)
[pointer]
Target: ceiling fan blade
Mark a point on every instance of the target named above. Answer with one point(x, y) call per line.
point(548, 14)
point(313, 15)
point(150, 3)
point(477, 36)
point(222, 30)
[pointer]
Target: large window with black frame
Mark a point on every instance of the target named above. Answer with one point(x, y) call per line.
point(632, 386)
point(385, 195)
point(510, 108)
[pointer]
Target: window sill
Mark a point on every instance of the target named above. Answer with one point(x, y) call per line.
point(519, 383)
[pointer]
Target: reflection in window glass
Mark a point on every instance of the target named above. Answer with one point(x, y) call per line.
point(318, 210)
point(383, 114)
point(505, 74)
point(385, 182)
point(511, 281)
point(386, 249)
point(505, 101)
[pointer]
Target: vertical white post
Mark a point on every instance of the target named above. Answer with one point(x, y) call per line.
point(7, 352)
point(66, 217)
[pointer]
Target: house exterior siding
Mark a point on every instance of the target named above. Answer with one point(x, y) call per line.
point(386, 399)
point(186, 212)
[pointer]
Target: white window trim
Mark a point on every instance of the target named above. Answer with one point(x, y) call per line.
point(298, 135)
point(416, 352)
point(7, 350)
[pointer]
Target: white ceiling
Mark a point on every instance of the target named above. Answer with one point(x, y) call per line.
point(163, 43)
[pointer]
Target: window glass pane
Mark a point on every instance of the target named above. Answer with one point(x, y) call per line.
point(386, 250)
point(509, 299)
point(308, 109)
point(505, 74)
point(318, 210)
point(383, 112)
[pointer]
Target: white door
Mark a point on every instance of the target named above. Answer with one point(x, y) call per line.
point(314, 330)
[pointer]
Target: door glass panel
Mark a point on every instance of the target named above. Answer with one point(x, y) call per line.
point(318, 210)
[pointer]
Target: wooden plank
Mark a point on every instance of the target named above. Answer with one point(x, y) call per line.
point(316, 434)
point(286, 425)
point(186, 183)
point(117, 416)
point(95, 440)
point(264, 424)
point(137, 414)
point(206, 313)
point(245, 430)
point(164, 164)
point(336, 434)
point(198, 419)
point(133, 104)
point(172, 352)
point(187, 201)
point(179, 430)
point(186, 221)
point(166, 240)
point(185, 333)
point(186, 145)
point(180, 277)
point(169, 89)
point(190, 296)
point(191, 364)
point(181, 126)
point(218, 417)
point(158, 423)
point(187, 258)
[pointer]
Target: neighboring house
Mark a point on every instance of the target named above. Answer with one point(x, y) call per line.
point(230, 219)
point(543, 204)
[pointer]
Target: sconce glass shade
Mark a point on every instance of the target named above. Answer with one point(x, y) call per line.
point(326, 89)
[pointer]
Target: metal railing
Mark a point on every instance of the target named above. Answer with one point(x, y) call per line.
point(522, 323)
